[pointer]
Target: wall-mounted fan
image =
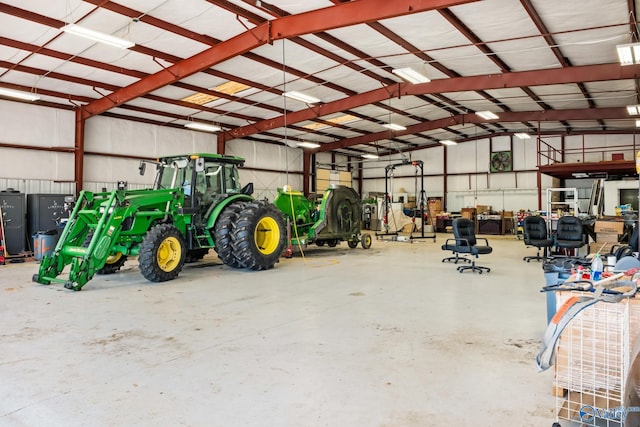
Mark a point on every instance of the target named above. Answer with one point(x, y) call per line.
point(501, 161)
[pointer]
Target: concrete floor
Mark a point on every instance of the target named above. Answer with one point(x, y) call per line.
point(389, 336)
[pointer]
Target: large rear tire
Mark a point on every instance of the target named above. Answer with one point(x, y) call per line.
point(259, 236)
point(162, 253)
point(223, 232)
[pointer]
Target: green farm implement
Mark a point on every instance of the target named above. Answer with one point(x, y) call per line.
point(336, 218)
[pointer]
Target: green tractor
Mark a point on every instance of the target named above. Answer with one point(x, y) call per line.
point(196, 204)
point(334, 219)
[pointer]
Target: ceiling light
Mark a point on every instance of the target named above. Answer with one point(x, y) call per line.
point(633, 110)
point(638, 123)
point(370, 156)
point(410, 75)
point(308, 144)
point(18, 94)
point(487, 115)
point(203, 126)
point(629, 54)
point(448, 142)
point(97, 36)
point(394, 126)
point(307, 99)
point(522, 135)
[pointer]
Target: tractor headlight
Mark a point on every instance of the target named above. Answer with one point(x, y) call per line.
point(102, 209)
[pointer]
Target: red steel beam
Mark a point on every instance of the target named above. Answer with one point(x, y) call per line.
point(342, 15)
point(587, 73)
point(543, 116)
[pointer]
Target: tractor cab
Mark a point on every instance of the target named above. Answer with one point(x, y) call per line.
point(201, 178)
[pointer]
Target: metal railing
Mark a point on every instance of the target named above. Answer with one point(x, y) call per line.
point(548, 154)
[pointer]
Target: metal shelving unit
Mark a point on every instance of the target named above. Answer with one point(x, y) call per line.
point(570, 196)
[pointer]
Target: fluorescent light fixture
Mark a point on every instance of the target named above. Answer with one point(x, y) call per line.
point(410, 75)
point(298, 96)
point(308, 144)
point(370, 156)
point(97, 36)
point(18, 94)
point(522, 135)
point(203, 127)
point(394, 126)
point(487, 115)
point(448, 142)
point(638, 123)
point(629, 54)
point(633, 110)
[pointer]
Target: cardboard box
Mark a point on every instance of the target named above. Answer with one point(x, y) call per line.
point(616, 227)
point(483, 208)
point(434, 205)
point(468, 213)
point(607, 237)
point(602, 248)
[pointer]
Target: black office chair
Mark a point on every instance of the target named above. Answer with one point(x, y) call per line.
point(535, 233)
point(465, 242)
point(569, 234)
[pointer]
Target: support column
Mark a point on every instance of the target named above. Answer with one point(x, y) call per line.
point(444, 178)
point(78, 154)
point(360, 180)
point(222, 145)
point(306, 171)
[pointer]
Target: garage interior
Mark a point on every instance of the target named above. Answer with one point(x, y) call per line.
point(390, 124)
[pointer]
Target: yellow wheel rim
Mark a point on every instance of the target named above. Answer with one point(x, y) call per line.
point(169, 254)
point(267, 235)
point(112, 259)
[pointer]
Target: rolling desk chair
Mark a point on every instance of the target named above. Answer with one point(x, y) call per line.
point(534, 229)
point(465, 242)
point(569, 234)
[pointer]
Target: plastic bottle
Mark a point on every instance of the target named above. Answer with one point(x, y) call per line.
point(596, 268)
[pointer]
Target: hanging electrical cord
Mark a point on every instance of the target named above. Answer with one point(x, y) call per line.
point(295, 224)
point(284, 115)
point(292, 221)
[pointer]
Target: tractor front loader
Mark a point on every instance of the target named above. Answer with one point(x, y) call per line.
point(196, 204)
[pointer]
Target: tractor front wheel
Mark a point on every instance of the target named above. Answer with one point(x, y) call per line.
point(162, 253)
point(113, 263)
point(259, 236)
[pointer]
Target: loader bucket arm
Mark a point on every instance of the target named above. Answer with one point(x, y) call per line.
point(93, 230)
